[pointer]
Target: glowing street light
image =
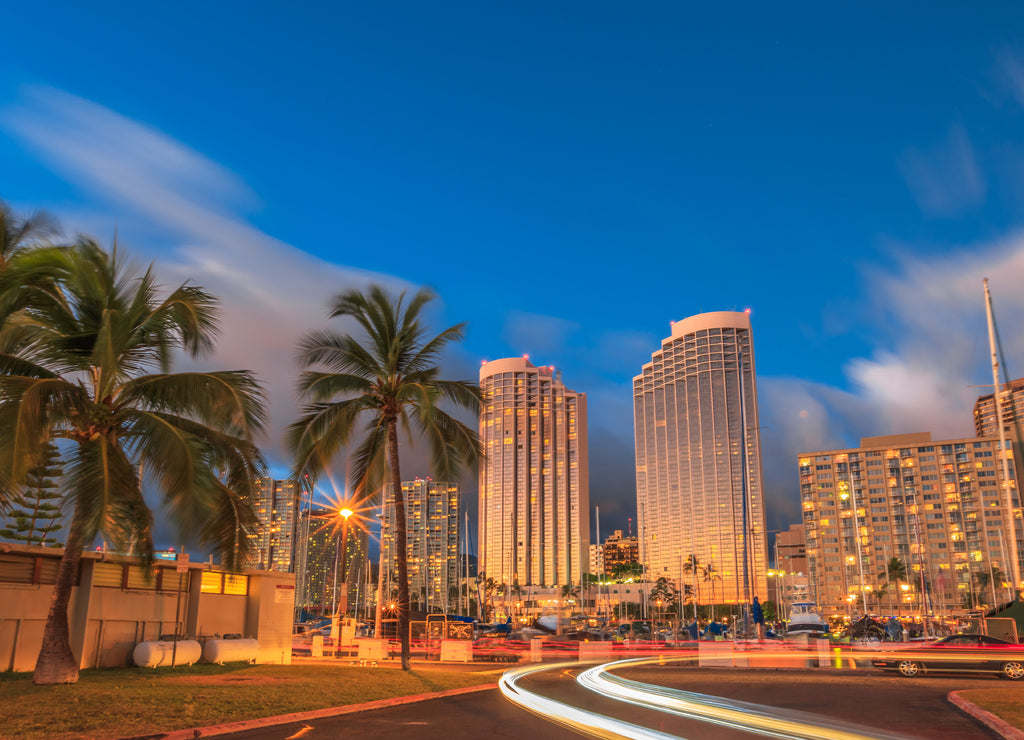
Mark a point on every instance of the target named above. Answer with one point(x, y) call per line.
point(342, 610)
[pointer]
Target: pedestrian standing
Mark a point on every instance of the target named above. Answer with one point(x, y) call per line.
point(758, 613)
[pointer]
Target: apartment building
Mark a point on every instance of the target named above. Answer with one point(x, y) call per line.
point(534, 523)
point(937, 507)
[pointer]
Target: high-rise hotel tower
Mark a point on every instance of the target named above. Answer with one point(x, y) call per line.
point(276, 504)
point(698, 460)
point(534, 487)
point(432, 539)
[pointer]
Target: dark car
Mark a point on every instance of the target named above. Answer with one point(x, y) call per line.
point(957, 653)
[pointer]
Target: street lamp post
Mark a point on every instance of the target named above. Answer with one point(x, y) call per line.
point(343, 604)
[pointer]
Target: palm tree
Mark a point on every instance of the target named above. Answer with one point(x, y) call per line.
point(570, 591)
point(998, 580)
point(91, 368)
point(491, 588)
point(20, 234)
point(879, 595)
point(390, 380)
point(662, 594)
point(694, 566)
point(895, 571)
point(983, 579)
point(516, 592)
point(711, 575)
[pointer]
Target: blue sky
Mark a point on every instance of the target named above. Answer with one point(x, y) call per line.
point(569, 178)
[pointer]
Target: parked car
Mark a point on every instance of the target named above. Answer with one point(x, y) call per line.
point(955, 654)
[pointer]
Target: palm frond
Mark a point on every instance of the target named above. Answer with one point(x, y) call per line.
point(191, 313)
point(340, 353)
point(454, 446)
point(369, 461)
point(427, 356)
point(322, 386)
point(106, 485)
point(228, 527)
point(463, 393)
point(28, 407)
point(232, 400)
point(322, 430)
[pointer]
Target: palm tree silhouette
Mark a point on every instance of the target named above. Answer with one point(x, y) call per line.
point(391, 379)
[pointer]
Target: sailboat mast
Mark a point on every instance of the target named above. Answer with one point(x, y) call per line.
point(744, 466)
point(1007, 480)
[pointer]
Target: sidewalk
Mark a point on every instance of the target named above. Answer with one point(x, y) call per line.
point(988, 719)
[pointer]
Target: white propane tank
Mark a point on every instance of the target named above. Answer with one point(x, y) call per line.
point(159, 652)
point(230, 651)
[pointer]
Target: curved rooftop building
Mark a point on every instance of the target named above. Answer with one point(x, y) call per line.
point(698, 460)
point(534, 487)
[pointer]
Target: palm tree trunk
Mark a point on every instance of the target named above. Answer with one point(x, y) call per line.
point(401, 550)
point(56, 662)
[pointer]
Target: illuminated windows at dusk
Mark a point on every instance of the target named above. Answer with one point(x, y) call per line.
point(698, 456)
point(534, 485)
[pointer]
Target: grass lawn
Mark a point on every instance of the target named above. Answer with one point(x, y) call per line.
point(1006, 703)
point(115, 703)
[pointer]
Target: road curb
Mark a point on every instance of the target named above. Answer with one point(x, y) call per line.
point(283, 719)
point(986, 718)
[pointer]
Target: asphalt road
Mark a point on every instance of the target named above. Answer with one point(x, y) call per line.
point(887, 703)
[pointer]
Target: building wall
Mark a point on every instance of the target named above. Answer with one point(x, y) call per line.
point(1012, 401)
point(620, 550)
point(534, 525)
point(596, 560)
point(791, 549)
point(937, 506)
point(277, 508)
point(432, 539)
point(603, 601)
point(114, 606)
point(698, 455)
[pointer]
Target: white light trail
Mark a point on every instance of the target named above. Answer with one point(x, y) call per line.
point(579, 720)
point(756, 718)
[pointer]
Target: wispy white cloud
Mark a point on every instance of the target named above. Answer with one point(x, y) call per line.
point(536, 334)
point(945, 180)
point(931, 360)
point(625, 351)
point(271, 293)
point(1010, 73)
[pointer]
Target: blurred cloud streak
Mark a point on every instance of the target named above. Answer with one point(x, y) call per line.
point(921, 314)
point(270, 292)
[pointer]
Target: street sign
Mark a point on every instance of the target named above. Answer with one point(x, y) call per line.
point(182, 560)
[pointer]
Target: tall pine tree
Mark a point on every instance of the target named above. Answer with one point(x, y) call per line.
point(36, 511)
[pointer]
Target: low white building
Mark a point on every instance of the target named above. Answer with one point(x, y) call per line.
point(116, 604)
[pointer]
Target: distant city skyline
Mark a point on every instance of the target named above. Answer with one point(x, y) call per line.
point(569, 180)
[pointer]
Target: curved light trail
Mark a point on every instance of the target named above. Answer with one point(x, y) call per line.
point(740, 715)
point(580, 720)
